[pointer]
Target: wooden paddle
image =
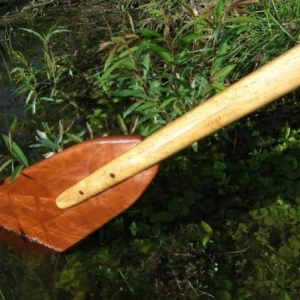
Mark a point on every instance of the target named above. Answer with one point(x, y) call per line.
point(45, 210)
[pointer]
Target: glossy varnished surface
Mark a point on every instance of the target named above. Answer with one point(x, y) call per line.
point(29, 217)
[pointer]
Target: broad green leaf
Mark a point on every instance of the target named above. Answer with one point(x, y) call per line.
point(18, 153)
point(222, 133)
point(36, 146)
point(50, 144)
point(14, 70)
point(114, 63)
point(218, 165)
point(234, 32)
point(254, 214)
point(221, 75)
point(42, 134)
point(286, 296)
point(220, 58)
point(206, 228)
point(192, 37)
point(7, 141)
point(195, 146)
point(14, 126)
point(292, 211)
point(5, 164)
point(270, 220)
point(146, 61)
point(166, 56)
point(156, 12)
point(177, 110)
point(125, 62)
point(127, 93)
point(122, 124)
point(155, 85)
point(74, 137)
point(205, 240)
point(219, 10)
point(167, 102)
point(111, 57)
point(196, 21)
point(36, 34)
point(145, 131)
point(118, 39)
point(286, 252)
point(218, 86)
point(48, 154)
point(48, 99)
point(264, 212)
point(131, 108)
point(133, 228)
point(148, 116)
point(183, 83)
point(184, 56)
point(295, 244)
point(129, 52)
point(147, 106)
point(16, 172)
point(163, 52)
point(48, 36)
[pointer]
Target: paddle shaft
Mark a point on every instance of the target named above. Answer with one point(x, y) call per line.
point(275, 79)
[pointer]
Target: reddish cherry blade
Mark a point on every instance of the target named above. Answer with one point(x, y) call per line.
point(29, 218)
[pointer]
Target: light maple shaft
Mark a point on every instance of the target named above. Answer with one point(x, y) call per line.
point(275, 79)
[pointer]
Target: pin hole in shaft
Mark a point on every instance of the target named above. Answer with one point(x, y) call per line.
point(111, 175)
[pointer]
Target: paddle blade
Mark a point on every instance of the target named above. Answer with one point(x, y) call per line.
point(29, 218)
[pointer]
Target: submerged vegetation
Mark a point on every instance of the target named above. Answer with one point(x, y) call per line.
point(221, 220)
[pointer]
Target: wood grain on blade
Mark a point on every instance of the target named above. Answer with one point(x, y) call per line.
point(29, 217)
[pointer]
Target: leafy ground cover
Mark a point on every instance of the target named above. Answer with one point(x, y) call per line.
point(221, 220)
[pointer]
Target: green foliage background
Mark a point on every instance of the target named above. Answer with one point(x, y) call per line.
point(221, 220)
